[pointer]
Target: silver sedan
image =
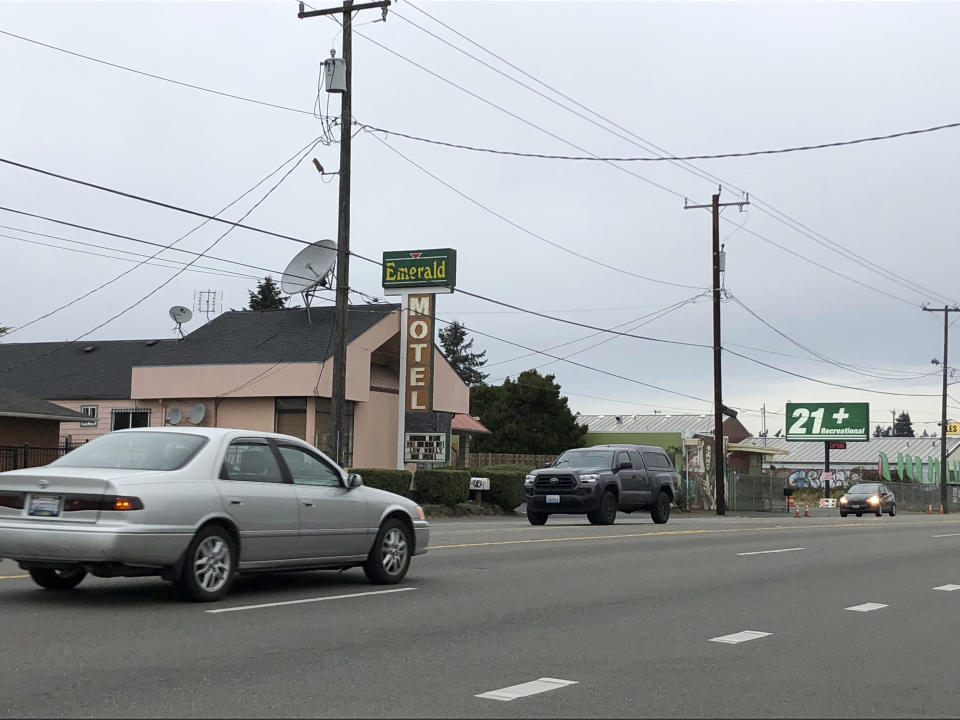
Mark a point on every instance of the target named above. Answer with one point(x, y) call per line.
point(198, 505)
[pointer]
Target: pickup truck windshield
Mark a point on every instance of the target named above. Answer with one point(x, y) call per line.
point(585, 459)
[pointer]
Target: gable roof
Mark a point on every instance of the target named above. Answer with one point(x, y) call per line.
point(70, 371)
point(688, 425)
point(15, 404)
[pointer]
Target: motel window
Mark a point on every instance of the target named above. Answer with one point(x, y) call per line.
point(89, 413)
point(291, 416)
point(123, 418)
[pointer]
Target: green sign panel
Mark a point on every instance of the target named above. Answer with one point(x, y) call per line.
point(420, 268)
point(826, 422)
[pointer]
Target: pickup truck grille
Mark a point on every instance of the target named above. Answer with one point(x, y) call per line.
point(563, 482)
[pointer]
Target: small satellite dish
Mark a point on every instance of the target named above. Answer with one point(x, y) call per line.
point(197, 413)
point(180, 315)
point(310, 269)
point(174, 416)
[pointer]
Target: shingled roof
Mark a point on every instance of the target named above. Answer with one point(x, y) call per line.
point(101, 369)
point(15, 404)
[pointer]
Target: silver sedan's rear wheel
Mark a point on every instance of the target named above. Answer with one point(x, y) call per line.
point(389, 558)
point(210, 565)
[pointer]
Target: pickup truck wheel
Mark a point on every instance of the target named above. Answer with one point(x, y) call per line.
point(536, 518)
point(607, 514)
point(594, 517)
point(661, 511)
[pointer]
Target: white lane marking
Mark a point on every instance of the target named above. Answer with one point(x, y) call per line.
point(739, 637)
point(867, 607)
point(309, 600)
point(948, 588)
point(947, 535)
point(526, 689)
point(767, 552)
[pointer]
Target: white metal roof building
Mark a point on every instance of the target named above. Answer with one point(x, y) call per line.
point(809, 455)
point(686, 425)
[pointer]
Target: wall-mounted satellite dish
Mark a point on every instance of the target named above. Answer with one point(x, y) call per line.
point(197, 413)
point(312, 268)
point(180, 314)
point(174, 416)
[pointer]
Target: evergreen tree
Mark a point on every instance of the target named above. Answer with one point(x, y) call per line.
point(456, 349)
point(526, 416)
point(267, 296)
point(878, 431)
point(902, 427)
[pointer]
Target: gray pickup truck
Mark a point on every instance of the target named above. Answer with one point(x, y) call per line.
point(601, 480)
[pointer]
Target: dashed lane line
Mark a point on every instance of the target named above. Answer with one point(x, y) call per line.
point(768, 552)
point(867, 607)
point(527, 689)
point(742, 636)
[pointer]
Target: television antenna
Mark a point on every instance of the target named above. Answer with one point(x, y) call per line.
point(180, 315)
point(206, 301)
point(311, 269)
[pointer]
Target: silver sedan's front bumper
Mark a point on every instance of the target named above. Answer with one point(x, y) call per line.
point(421, 532)
point(45, 542)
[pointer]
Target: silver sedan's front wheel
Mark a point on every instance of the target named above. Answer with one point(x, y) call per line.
point(389, 558)
point(210, 565)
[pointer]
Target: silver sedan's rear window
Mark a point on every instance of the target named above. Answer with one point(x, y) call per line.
point(135, 451)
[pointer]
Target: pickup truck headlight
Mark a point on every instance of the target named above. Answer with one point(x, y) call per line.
point(528, 480)
point(589, 478)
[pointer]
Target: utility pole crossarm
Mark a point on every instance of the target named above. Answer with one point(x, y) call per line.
point(332, 11)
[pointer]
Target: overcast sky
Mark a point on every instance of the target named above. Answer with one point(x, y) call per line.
point(690, 78)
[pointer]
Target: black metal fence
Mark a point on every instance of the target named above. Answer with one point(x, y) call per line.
point(15, 457)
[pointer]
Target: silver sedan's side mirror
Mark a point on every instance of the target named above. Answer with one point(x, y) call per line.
point(353, 481)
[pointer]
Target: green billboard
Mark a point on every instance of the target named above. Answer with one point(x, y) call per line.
point(826, 422)
point(420, 268)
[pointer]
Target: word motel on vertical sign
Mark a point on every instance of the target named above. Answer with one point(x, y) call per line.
point(420, 326)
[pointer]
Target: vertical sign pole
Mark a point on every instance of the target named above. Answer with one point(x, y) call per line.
point(943, 415)
point(826, 469)
point(402, 397)
point(719, 459)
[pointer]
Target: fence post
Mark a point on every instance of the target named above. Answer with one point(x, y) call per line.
point(26, 455)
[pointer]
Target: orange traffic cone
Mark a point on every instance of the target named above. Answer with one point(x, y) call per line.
point(929, 509)
point(941, 510)
point(806, 511)
point(797, 511)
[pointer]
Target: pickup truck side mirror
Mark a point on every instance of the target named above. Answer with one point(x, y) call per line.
point(625, 466)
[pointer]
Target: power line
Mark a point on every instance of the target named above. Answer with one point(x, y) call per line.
point(645, 144)
point(911, 375)
point(175, 275)
point(826, 382)
point(525, 230)
point(305, 150)
point(157, 77)
point(655, 158)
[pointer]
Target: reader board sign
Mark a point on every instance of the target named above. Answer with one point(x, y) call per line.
point(425, 447)
point(828, 422)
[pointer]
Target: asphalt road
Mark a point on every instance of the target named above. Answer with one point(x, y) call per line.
point(623, 619)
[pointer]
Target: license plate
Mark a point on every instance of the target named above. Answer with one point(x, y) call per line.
point(44, 505)
point(553, 499)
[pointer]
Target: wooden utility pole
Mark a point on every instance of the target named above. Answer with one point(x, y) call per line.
point(719, 457)
point(338, 399)
point(943, 405)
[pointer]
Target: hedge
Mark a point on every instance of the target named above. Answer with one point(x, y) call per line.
point(506, 489)
point(395, 481)
point(444, 487)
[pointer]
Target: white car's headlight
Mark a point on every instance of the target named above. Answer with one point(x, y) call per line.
point(419, 512)
point(843, 500)
point(874, 500)
point(528, 480)
point(589, 478)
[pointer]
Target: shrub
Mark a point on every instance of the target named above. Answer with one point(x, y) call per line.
point(506, 488)
point(395, 481)
point(446, 487)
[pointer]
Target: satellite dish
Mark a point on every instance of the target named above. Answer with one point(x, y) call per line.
point(174, 415)
point(197, 413)
point(180, 315)
point(311, 268)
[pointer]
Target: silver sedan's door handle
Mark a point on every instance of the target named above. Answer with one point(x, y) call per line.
point(235, 501)
point(307, 503)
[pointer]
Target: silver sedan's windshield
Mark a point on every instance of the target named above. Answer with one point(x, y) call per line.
point(585, 459)
point(135, 451)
